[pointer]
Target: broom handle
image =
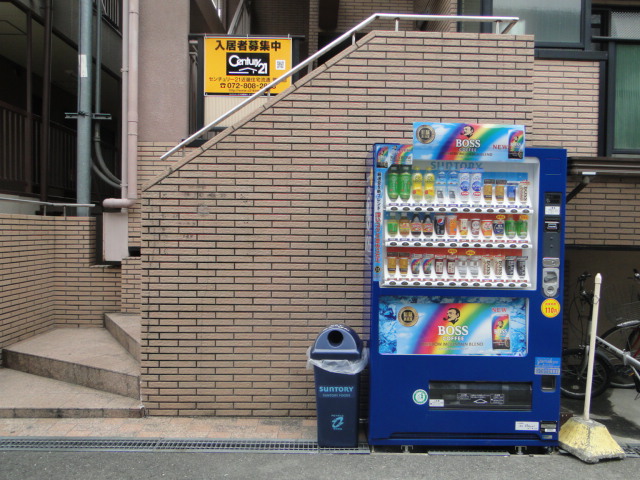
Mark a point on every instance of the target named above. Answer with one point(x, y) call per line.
point(592, 345)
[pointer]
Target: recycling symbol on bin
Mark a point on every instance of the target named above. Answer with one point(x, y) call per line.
point(337, 422)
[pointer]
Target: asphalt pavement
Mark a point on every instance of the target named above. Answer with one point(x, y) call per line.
point(31, 465)
point(617, 409)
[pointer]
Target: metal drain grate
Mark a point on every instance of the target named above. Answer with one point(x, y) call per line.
point(161, 444)
point(632, 451)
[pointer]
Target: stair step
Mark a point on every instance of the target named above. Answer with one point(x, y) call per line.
point(90, 357)
point(32, 396)
point(125, 328)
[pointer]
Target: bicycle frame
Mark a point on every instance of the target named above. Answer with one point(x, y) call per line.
point(625, 356)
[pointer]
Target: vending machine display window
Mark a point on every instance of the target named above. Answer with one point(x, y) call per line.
point(455, 224)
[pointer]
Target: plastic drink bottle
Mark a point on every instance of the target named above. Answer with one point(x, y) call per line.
point(392, 225)
point(476, 187)
point(441, 187)
point(427, 226)
point(522, 226)
point(416, 226)
point(510, 227)
point(429, 186)
point(452, 186)
point(392, 263)
point(404, 225)
point(405, 183)
point(417, 189)
point(392, 182)
point(464, 186)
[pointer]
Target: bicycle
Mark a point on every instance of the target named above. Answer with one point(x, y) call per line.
point(573, 382)
point(625, 336)
point(617, 356)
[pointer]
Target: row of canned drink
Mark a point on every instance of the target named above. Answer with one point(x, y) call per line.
point(474, 266)
point(452, 225)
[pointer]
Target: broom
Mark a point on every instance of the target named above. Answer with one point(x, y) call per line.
point(587, 439)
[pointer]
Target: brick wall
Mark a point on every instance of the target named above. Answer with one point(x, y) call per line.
point(565, 112)
point(256, 244)
point(149, 165)
point(565, 105)
point(604, 213)
point(352, 12)
point(48, 277)
point(131, 293)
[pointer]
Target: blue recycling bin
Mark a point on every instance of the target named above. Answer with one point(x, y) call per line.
point(338, 357)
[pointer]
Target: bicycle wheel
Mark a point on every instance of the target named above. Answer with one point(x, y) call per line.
point(573, 383)
point(625, 336)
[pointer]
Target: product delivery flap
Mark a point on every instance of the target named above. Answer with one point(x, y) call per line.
point(468, 141)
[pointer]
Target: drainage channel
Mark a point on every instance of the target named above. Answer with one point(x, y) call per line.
point(228, 446)
point(171, 445)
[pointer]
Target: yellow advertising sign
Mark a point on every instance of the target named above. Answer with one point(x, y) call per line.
point(243, 65)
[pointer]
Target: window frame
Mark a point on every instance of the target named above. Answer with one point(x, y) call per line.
point(610, 107)
point(486, 8)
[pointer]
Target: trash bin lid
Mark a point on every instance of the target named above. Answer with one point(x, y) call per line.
point(337, 342)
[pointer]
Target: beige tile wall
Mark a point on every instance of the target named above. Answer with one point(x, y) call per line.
point(565, 105)
point(48, 276)
point(254, 246)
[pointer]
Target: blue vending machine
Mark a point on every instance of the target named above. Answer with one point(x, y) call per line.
point(466, 273)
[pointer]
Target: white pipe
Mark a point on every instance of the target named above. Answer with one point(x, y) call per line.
point(125, 99)
point(129, 144)
point(132, 110)
point(592, 345)
point(117, 203)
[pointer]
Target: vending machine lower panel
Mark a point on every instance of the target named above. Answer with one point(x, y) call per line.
point(462, 370)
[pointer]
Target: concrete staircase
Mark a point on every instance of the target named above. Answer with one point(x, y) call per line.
point(74, 372)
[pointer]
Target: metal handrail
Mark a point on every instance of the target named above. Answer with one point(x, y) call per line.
point(64, 206)
point(393, 16)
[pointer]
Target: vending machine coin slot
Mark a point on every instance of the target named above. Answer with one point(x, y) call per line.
point(550, 281)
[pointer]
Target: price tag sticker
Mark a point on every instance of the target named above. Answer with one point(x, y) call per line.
point(550, 308)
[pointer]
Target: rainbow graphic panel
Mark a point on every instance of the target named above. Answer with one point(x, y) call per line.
point(468, 141)
point(452, 326)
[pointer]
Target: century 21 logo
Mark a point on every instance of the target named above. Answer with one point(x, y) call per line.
point(248, 64)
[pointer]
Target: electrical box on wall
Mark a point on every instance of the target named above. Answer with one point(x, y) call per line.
point(115, 236)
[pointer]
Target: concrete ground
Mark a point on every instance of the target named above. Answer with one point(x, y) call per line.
point(194, 466)
point(616, 409)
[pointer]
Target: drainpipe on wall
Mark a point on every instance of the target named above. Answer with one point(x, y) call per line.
point(129, 192)
point(115, 232)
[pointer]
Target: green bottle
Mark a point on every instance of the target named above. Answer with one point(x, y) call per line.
point(522, 226)
point(392, 182)
point(392, 225)
point(405, 183)
point(510, 227)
